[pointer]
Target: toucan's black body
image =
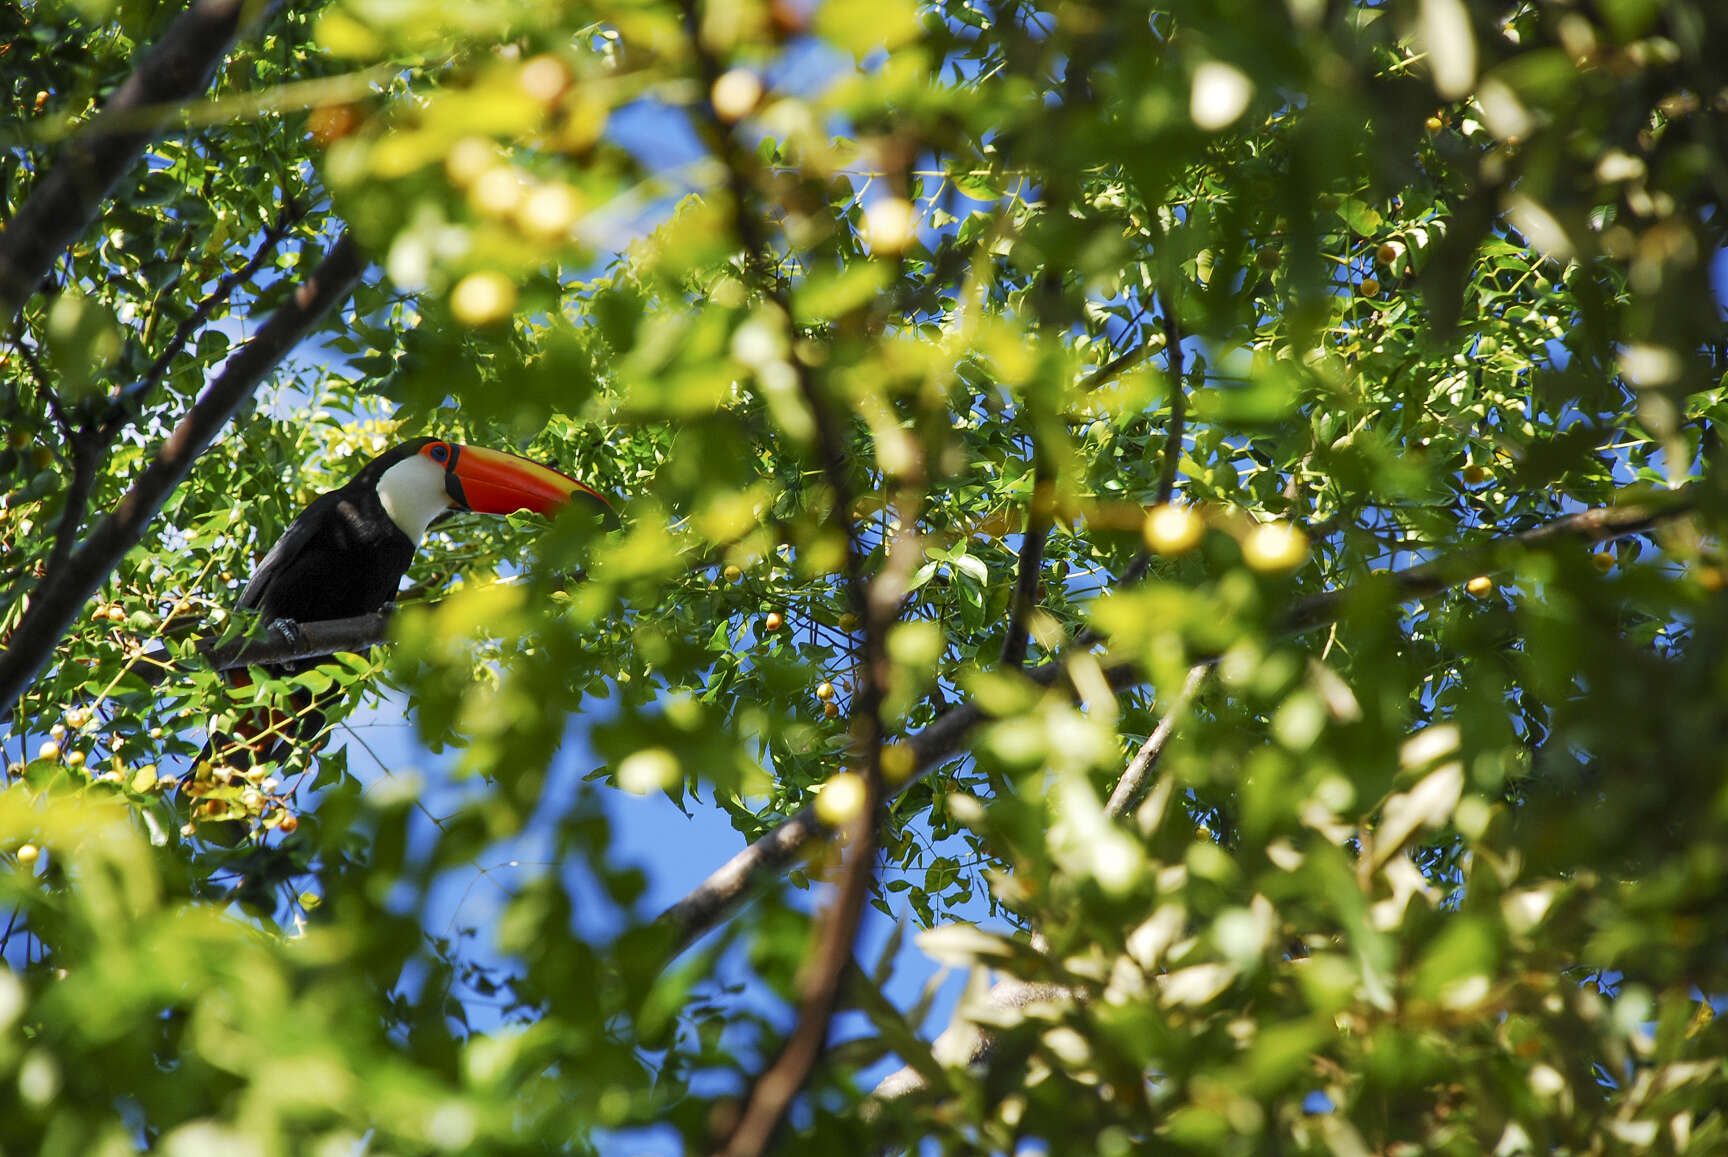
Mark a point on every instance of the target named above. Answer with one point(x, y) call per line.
point(342, 557)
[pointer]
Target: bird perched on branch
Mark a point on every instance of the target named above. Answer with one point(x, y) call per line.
point(345, 555)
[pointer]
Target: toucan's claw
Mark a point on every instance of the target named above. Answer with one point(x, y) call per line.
point(289, 630)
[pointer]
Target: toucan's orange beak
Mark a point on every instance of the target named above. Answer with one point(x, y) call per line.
point(493, 482)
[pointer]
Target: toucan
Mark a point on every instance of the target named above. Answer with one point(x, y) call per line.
point(346, 553)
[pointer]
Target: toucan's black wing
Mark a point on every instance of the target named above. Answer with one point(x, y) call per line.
point(342, 557)
point(280, 558)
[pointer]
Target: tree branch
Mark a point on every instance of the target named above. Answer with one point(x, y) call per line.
point(1171, 461)
point(1039, 516)
point(1132, 785)
point(877, 604)
point(52, 609)
point(65, 201)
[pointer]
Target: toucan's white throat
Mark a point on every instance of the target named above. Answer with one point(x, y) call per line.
point(413, 494)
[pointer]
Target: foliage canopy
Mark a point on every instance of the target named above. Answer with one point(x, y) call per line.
point(1307, 405)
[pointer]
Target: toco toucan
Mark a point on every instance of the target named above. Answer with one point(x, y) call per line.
point(345, 555)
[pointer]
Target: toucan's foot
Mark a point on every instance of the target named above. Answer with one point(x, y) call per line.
point(289, 630)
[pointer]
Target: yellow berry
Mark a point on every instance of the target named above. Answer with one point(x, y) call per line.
point(1474, 475)
point(848, 621)
point(1173, 530)
point(1387, 253)
point(28, 853)
point(49, 750)
point(1479, 586)
point(841, 799)
point(1273, 547)
point(733, 574)
point(890, 224)
point(830, 710)
point(1369, 287)
point(825, 691)
point(483, 298)
point(773, 621)
point(1604, 560)
point(736, 94)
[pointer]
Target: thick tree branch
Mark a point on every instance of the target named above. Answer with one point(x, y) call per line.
point(52, 609)
point(718, 896)
point(876, 602)
point(65, 201)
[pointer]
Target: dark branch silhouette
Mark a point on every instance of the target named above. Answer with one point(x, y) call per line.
point(65, 201)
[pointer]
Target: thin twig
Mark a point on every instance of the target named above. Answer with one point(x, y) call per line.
point(86, 458)
point(1040, 513)
point(1132, 785)
point(1116, 365)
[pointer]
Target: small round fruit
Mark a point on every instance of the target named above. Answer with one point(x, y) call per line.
point(735, 94)
point(28, 853)
point(1274, 547)
point(290, 823)
point(825, 691)
point(49, 750)
point(774, 621)
point(1268, 258)
point(848, 621)
point(1369, 287)
point(549, 211)
point(116, 614)
point(544, 78)
point(1172, 529)
point(830, 710)
point(1387, 253)
point(1604, 560)
point(75, 759)
point(1434, 124)
point(483, 298)
point(890, 225)
point(841, 799)
point(733, 574)
point(1474, 475)
point(469, 159)
point(331, 122)
point(58, 731)
point(1479, 587)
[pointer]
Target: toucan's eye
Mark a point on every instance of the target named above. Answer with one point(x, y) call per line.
point(439, 452)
